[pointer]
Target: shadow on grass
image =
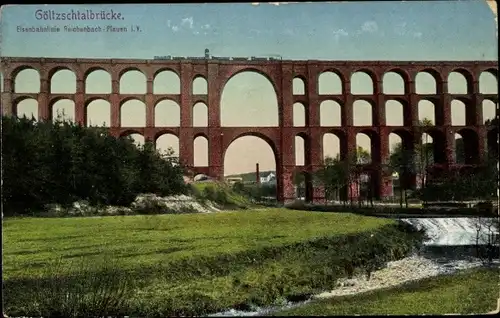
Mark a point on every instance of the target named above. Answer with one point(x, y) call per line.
point(84, 254)
point(158, 251)
point(51, 239)
point(20, 253)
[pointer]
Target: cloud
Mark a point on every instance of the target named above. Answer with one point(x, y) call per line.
point(189, 21)
point(340, 32)
point(402, 30)
point(206, 26)
point(175, 28)
point(369, 27)
point(337, 34)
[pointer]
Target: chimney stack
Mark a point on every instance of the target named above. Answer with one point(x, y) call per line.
point(257, 174)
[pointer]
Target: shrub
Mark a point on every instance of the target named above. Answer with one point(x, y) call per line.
point(209, 193)
point(196, 193)
point(221, 196)
point(239, 187)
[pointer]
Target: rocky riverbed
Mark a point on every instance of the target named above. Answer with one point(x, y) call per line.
point(396, 273)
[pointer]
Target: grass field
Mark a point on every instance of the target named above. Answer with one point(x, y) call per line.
point(467, 292)
point(187, 264)
point(135, 241)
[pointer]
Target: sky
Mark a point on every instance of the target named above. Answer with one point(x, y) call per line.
point(392, 30)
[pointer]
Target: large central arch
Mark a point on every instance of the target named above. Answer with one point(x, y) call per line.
point(249, 99)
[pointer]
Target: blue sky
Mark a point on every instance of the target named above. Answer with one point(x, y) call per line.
point(427, 30)
point(391, 30)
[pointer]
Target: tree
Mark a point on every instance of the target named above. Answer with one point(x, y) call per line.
point(363, 157)
point(298, 180)
point(350, 164)
point(408, 162)
point(62, 162)
point(332, 176)
point(425, 151)
point(487, 238)
point(402, 162)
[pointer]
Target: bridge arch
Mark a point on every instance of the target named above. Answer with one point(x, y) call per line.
point(470, 144)
point(137, 137)
point(266, 163)
point(166, 81)
point(243, 105)
point(265, 137)
point(403, 74)
point(97, 81)
point(460, 81)
point(62, 80)
point(97, 112)
point(438, 142)
point(132, 81)
point(200, 85)
point(263, 71)
point(25, 106)
point(26, 79)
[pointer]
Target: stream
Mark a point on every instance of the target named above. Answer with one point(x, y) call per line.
point(450, 247)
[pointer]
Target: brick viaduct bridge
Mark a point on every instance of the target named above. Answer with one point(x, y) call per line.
point(281, 74)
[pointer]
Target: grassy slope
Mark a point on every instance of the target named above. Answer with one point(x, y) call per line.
point(233, 199)
point(471, 291)
point(135, 241)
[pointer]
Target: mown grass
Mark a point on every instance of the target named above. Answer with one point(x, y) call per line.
point(473, 291)
point(190, 264)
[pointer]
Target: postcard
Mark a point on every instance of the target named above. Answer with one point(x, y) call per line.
point(361, 107)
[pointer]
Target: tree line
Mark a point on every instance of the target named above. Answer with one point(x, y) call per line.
point(338, 174)
point(62, 162)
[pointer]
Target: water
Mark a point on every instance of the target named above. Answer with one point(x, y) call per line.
point(454, 231)
point(451, 246)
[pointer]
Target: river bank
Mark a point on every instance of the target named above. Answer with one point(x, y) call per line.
point(447, 250)
point(397, 273)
